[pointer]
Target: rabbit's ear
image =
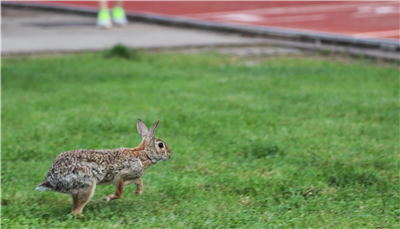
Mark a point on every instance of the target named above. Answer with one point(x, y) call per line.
point(150, 135)
point(142, 128)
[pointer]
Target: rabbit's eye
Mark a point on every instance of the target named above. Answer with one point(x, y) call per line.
point(160, 145)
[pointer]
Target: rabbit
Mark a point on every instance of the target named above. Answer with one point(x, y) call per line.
point(78, 172)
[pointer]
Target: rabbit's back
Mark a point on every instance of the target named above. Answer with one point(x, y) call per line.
point(76, 170)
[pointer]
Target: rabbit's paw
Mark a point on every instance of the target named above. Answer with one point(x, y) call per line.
point(108, 198)
point(111, 197)
point(138, 191)
point(76, 214)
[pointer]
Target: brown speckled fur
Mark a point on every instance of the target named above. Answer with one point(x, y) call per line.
point(77, 172)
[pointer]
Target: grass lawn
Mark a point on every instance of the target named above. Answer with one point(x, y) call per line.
point(282, 142)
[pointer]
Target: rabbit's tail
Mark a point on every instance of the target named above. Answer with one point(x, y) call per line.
point(45, 186)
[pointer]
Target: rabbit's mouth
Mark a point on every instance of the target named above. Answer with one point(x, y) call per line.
point(165, 156)
point(161, 157)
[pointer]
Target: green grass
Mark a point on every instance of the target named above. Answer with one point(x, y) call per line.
point(287, 142)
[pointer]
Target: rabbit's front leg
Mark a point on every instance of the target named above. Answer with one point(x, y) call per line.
point(119, 188)
point(139, 187)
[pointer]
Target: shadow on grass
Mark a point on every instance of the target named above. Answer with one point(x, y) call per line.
point(121, 51)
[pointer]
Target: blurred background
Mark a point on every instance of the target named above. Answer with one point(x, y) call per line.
point(356, 27)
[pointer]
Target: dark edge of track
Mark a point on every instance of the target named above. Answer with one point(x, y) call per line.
point(312, 40)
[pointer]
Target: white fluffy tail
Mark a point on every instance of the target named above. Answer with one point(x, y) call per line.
point(44, 187)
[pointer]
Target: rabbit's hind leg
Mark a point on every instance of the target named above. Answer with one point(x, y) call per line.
point(81, 199)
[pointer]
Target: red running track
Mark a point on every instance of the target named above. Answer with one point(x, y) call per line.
point(359, 19)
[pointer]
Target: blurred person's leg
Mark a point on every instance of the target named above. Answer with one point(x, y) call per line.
point(118, 14)
point(103, 17)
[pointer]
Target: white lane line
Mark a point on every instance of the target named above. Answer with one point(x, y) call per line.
point(356, 15)
point(270, 20)
point(297, 9)
point(378, 11)
point(388, 33)
point(240, 17)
